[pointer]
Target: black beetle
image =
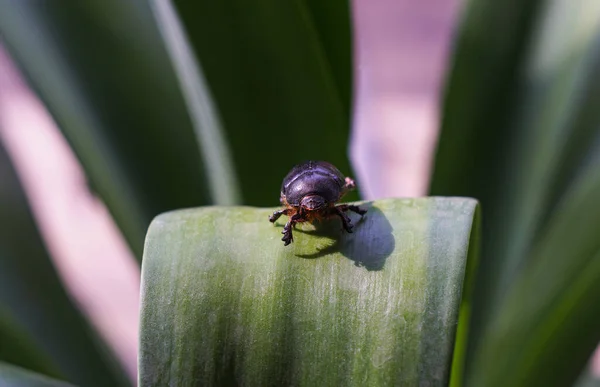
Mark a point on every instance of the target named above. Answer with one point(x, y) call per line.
point(310, 191)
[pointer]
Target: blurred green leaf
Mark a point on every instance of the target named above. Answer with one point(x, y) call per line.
point(588, 379)
point(11, 376)
point(224, 302)
point(17, 347)
point(521, 124)
point(203, 113)
point(331, 21)
point(104, 73)
point(280, 74)
point(40, 328)
point(552, 310)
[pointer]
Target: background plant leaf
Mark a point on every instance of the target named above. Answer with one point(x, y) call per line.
point(18, 348)
point(520, 126)
point(104, 74)
point(40, 327)
point(554, 301)
point(206, 120)
point(280, 75)
point(223, 301)
point(331, 21)
point(11, 376)
point(588, 379)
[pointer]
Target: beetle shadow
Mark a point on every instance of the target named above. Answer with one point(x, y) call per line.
point(369, 246)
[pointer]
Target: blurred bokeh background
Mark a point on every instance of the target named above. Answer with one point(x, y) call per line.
point(113, 112)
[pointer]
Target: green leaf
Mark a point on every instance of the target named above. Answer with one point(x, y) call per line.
point(280, 75)
point(204, 116)
point(554, 301)
point(11, 376)
point(520, 125)
point(224, 302)
point(331, 21)
point(588, 379)
point(40, 327)
point(17, 347)
point(104, 73)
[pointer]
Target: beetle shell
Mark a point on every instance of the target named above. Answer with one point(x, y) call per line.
point(312, 178)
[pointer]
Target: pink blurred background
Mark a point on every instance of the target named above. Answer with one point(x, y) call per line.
point(401, 51)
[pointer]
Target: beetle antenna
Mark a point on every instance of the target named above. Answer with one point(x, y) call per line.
point(350, 184)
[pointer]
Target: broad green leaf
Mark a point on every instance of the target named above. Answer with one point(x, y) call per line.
point(11, 376)
point(280, 75)
point(104, 73)
point(40, 327)
point(521, 119)
point(224, 302)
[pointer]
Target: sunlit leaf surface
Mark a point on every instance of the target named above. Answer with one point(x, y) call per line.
point(224, 301)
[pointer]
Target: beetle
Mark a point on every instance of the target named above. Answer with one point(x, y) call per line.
point(310, 192)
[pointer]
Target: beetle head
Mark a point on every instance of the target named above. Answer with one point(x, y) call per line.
point(313, 202)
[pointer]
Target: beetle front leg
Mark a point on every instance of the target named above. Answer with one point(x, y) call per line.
point(346, 222)
point(277, 214)
point(353, 208)
point(287, 229)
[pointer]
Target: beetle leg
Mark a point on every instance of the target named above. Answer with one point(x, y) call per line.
point(346, 222)
point(277, 214)
point(353, 208)
point(287, 229)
